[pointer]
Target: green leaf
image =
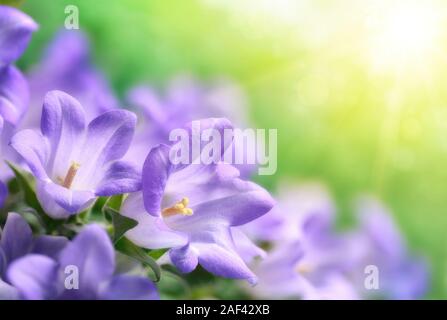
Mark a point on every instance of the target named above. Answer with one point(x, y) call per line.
point(120, 223)
point(128, 248)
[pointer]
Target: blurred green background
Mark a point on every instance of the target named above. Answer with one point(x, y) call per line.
point(356, 89)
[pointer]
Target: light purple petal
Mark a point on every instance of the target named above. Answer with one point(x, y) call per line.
point(184, 258)
point(120, 177)
point(49, 246)
point(34, 276)
point(31, 146)
point(63, 124)
point(16, 29)
point(151, 232)
point(17, 237)
point(8, 292)
point(72, 201)
point(92, 253)
point(14, 94)
point(124, 287)
point(246, 248)
point(108, 139)
point(223, 262)
point(3, 193)
point(156, 170)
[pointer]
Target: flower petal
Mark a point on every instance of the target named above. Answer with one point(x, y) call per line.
point(17, 237)
point(16, 29)
point(124, 287)
point(184, 258)
point(14, 94)
point(92, 253)
point(49, 246)
point(8, 292)
point(108, 138)
point(71, 201)
point(35, 276)
point(63, 124)
point(156, 170)
point(223, 262)
point(120, 177)
point(151, 232)
point(32, 148)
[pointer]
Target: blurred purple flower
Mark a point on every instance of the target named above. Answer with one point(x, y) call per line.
point(75, 163)
point(379, 243)
point(67, 66)
point(38, 276)
point(184, 101)
point(191, 209)
point(17, 241)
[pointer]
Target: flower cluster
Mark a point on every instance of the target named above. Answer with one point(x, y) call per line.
point(92, 205)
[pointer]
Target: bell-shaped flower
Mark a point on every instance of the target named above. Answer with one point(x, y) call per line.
point(190, 208)
point(16, 29)
point(74, 162)
point(84, 269)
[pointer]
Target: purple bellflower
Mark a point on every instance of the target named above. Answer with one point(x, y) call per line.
point(17, 241)
point(67, 66)
point(74, 162)
point(91, 254)
point(192, 208)
point(379, 243)
point(308, 259)
point(16, 29)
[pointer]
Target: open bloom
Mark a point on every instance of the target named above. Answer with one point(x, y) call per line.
point(184, 101)
point(310, 263)
point(89, 260)
point(67, 66)
point(379, 243)
point(191, 209)
point(74, 162)
point(16, 29)
point(17, 241)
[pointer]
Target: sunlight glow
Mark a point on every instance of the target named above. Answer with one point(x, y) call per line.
point(404, 34)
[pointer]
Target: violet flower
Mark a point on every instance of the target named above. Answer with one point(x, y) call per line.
point(184, 101)
point(16, 241)
point(379, 243)
point(191, 209)
point(75, 163)
point(16, 29)
point(308, 260)
point(41, 277)
point(67, 66)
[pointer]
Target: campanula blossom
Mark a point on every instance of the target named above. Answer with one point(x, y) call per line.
point(379, 243)
point(191, 209)
point(67, 66)
point(16, 29)
point(184, 101)
point(91, 254)
point(74, 162)
point(17, 241)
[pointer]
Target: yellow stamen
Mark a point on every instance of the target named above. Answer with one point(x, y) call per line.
point(180, 207)
point(304, 268)
point(71, 175)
